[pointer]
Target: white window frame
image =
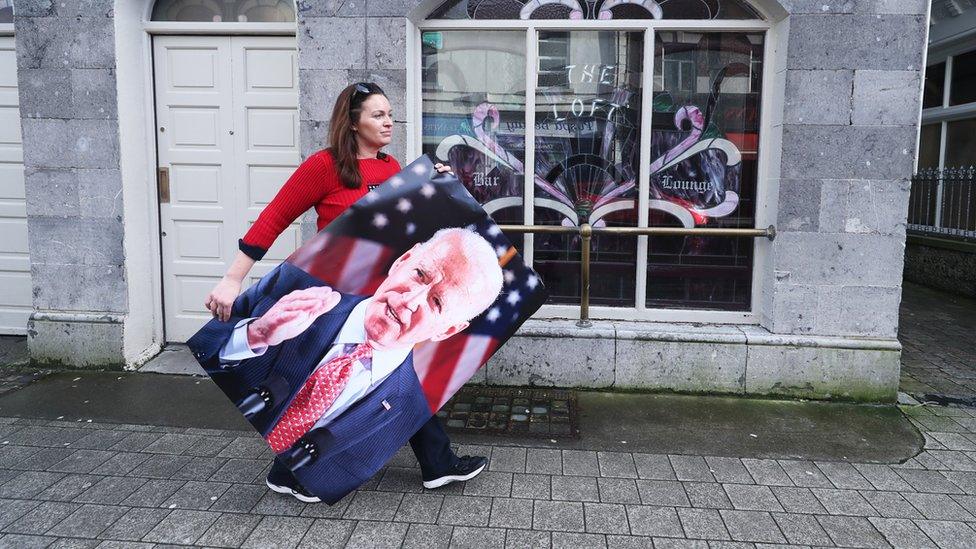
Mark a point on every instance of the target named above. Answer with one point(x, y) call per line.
point(414, 102)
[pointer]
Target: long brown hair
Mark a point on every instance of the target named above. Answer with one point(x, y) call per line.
point(342, 138)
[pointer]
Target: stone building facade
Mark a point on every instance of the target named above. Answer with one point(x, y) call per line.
point(840, 103)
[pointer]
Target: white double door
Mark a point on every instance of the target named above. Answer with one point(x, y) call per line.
point(15, 282)
point(227, 137)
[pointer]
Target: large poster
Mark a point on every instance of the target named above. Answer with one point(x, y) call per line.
point(343, 351)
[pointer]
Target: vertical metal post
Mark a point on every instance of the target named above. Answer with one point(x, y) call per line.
point(586, 232)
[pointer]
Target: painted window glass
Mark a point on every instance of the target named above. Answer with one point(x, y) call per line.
point(963, 88)
point(473, 87)
point(960, 143)
point(594, 9)
point(928, 146)
point(6, 11)
point(587, 151)
point(934, 86)
point(223, 11)
point(704, 142)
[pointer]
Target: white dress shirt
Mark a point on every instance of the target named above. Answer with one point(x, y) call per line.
point(365, 376)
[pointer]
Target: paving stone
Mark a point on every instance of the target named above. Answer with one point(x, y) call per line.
point(707, 495)
point(605, 518)
point(882, 477)
point(249, 447)
point(843, 502)
point(13, 509)
point(527, 539)
point(196, 495)
point(729, 470)
point(797, 500)
point(544, 461)
point(954, 441)
point(429, 536)
point(805, 473)
point(42, 518)
point(754, 526)
point(531, 486)
point(489, 483)
point(575, 489)
point(564, 516)
point(110, 490)
point(691, 468)
point(654, 467)
point(891, 505)
point(134, 442)
point(567, 540)
point(87, 521)
point(648, 520)
point(81, 461)
point(419, 508)
point(22, 541)
point(954, 460)
point(240, 498)
point(617, 464)
point(377, 535)
point(580, 463)
point(618, 490)
point(947, 534)
point(901, 532)
point(465, 511)
point(702, 524)
point(230, 530)
point(44, 458)
point(372, 506)
point(135, 524)
point(172, 444)
point(469, 537)
point(929, 461)
point(73, 543)
point(68, 488)
point(327, 511)
point(511, 460)
point(278, 531)
point(403, 480)
point(852, 531)
point(327, 534)
point(662, 492)
point(208, 446)
point(181, 527)
point(966, 480)
point(801, 529)
point(160, 466)
point(510, 513)
point(929, 481)
point(153, 493)
point(752, 497)
point(843, 475)
point(273, 503)
point(200, 468)
point(938, 507)
point(122, 463)
point(242, 470)
point(99, 440)
point(643, 542)
point(29, 484)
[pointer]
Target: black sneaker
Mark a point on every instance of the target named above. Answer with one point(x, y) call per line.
point(283, 483)
point(467, 468)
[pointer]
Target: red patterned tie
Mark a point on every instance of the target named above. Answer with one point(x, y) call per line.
point(314, 398)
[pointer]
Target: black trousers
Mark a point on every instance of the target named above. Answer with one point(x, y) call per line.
point(430, 444)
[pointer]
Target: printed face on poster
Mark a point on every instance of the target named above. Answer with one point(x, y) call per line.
point(348, 347)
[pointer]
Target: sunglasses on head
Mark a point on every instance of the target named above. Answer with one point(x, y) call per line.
point(362, 88)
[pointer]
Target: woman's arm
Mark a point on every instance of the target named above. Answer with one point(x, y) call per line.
point(222, 297)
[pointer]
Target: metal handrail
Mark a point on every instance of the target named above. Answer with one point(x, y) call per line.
point(586, 232)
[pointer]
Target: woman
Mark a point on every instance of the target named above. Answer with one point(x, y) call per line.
point(331, 180)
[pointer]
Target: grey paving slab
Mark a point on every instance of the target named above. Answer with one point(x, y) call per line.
point(617, 464)
point(580, 463)
point(42, 518)
point(605, 518)
point(239, 498)
point(563, 516)
point(13, 509)
point(24, 541)
point(229, 530)
point(575, 488)
point(546, 461)
point(641, 542)
point(852, 531)
point(802, 529)
point(618, 490)
point(649, 520)
point(273, 503)
point(882, 477)
point(934, 482)
point(110, 490)
point(703, 524)
point(805, 473)
point(402, 479)
point(429, 536)
point(662, 492)
point(327, 533)
point(489, 483)
point(28, 484)
point(891, 505)
point(182, 527)
point(938, 507)
point(276, 531)
point(531, 486)
point(372, 506)
point(691, 468)
point(69, 487)
point(843, 475)
point(153, 493)
point(135, 524)
point(199, 468)
point(901, 532)
point(88, 521)
point(511, 513)
point(947, 534)
point(470, 537)
point(573, 540)
point(752, 526)
point(196, 495)
point(728, 470)
point(843, 502)
point(421, 508)
point(527, 539)
point(654, 467)
point(795, 499)
point(506, 459)
point(752, 497)
point(465, 511)
point(707, 494)
point(377, 535)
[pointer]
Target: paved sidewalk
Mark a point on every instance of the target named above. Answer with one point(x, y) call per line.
point(80, 484)
point(939, 354)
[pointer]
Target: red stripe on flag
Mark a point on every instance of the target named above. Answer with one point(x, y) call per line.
point(441, 368)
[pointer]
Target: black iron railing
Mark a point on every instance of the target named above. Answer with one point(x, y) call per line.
point(943, 203)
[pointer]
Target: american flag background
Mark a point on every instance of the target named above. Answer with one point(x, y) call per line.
point(354, 253)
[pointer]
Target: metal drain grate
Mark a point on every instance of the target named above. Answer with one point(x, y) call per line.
point(512, 411)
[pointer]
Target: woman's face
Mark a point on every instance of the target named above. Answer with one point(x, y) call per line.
point(375, 126)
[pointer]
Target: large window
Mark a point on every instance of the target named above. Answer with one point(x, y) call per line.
point(621, 123)
point(949, 113)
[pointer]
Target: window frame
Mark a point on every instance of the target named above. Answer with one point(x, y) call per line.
point(414, 107)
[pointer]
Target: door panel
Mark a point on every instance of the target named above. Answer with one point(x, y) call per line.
point(15, 283)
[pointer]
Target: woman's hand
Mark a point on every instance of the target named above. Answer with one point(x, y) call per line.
point(442, 168)
point(222, 297)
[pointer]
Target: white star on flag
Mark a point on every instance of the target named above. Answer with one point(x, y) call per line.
point(494, 230)
point(380, 221)
point(493, 314)
point(509, 276)
point(513, 297)
point(532, 282)
point(500, 250)
point(427, 190)
point(372, 196)
point(404, 205)
point(419, 169)
point(411, 228)
point(396, 181)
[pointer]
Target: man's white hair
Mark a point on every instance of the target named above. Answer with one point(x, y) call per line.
point(479, 252)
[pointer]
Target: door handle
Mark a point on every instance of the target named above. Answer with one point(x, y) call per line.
point(163, 180)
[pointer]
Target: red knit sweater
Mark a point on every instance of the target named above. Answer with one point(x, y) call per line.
point(314, 183)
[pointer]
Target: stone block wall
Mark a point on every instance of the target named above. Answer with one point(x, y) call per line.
point(941, 264)
point(67, 83)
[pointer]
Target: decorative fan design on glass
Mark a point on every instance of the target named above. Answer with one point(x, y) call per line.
point(595, 9)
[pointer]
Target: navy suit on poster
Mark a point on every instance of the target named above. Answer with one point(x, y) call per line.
point(350, 451)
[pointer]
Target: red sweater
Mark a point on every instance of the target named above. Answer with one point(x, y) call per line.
point(314, 183)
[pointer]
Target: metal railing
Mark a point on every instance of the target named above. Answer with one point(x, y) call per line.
point(943, 203)
point(586, 233)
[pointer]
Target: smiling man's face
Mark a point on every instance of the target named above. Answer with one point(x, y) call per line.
point(430, 294)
